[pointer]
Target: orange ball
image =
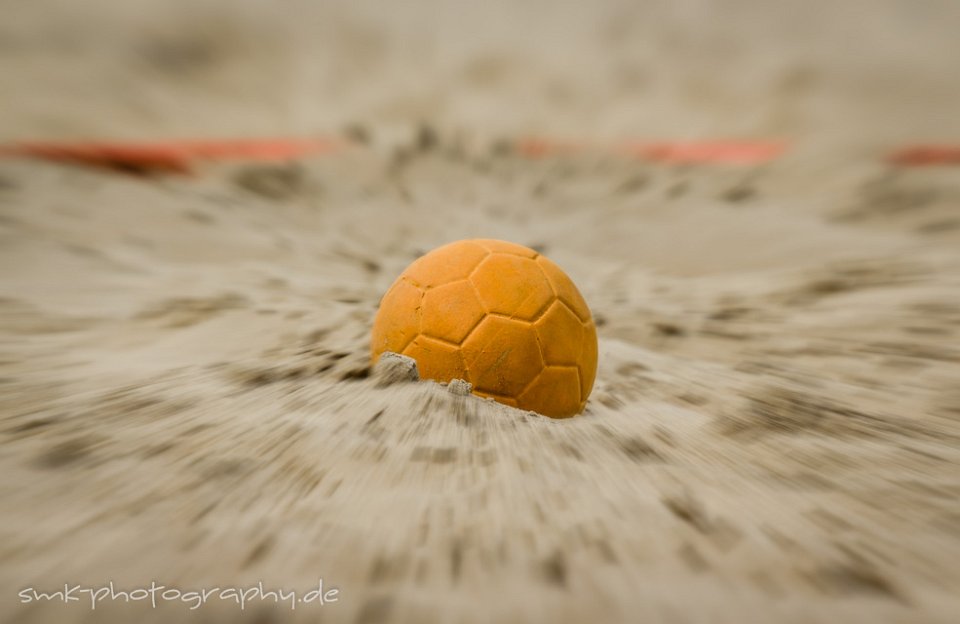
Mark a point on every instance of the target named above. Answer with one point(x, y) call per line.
point(498, 315)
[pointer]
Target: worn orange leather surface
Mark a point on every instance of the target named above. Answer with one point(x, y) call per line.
point(496, 314)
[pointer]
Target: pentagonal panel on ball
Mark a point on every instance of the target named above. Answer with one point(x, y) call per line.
point(446, 264)
point(512, 286)
point(502, 356)
point(565, 288)
point(560, 333)
point(436, 360)
point(397, 320)
point(451, 311)
point(555, 392)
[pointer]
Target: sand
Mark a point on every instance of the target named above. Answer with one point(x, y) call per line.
point(185, 392)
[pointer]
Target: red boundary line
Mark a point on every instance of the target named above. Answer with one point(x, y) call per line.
point(680, 152)
point(175, 156)
point(181, 156)
point(924, 155)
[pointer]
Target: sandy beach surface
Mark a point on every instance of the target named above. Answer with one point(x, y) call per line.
point(185, 391)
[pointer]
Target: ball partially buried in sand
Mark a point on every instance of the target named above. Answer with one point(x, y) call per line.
point(498, 315)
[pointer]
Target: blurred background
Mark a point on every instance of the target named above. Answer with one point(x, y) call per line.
point(186, 394)
point(860, 70)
